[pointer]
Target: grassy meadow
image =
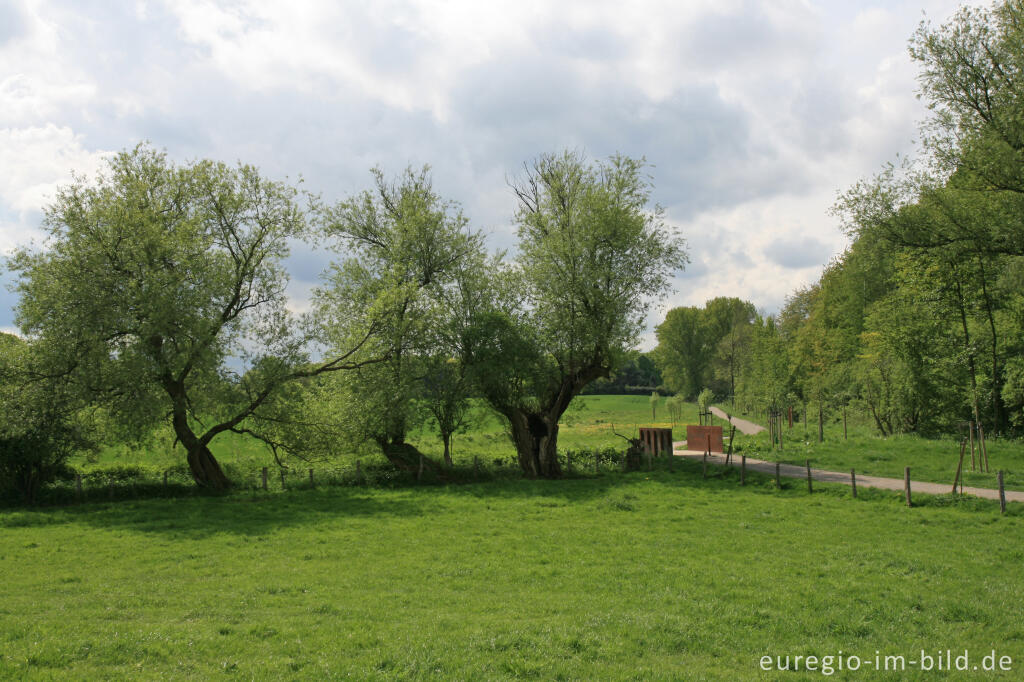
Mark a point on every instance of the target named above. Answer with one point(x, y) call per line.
point(649, 576)
point(929, 459)
point(653, 575)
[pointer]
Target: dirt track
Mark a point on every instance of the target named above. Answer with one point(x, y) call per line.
point(742, 425)
point(792, 471)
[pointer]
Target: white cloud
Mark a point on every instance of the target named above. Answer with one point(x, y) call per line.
point(754, 113)
point(37, 160)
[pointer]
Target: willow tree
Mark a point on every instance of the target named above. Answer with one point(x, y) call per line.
point(161, 292)
point(592, 256)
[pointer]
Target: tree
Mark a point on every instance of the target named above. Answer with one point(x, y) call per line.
point(410, 243)
point(42, 423)
point(161, 292)
point(405, 249)
point(680, 351)
point(591, 256)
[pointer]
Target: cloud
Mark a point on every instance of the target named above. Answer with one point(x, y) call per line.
point(752, 114)
point(797, 251)
point(36, 161)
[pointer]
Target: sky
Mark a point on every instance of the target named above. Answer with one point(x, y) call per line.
point(753, 115)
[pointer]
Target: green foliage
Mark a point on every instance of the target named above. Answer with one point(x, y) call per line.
point(675, 405)
point(706, 346)
point(157, 282)
point(592, 256)
point(41, 424)
point(391, 297)
point(705, 398)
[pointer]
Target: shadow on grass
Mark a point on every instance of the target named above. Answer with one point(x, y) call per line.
point(195, 515)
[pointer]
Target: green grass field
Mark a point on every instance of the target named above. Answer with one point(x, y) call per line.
point(650, 576)
point(929, 459)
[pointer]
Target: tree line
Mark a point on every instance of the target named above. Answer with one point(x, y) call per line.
point(920, 322)
point(159, 300)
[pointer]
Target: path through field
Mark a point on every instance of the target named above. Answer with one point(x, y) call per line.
point(742, 425)
point(793, 471)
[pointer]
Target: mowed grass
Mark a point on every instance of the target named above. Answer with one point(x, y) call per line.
point(929, 459)
point(652, 575)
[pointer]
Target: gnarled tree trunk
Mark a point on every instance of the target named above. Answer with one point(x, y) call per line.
point(206, 472)
point(535, 436)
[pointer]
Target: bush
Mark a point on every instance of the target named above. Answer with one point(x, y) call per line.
point(40, 425)
point(33, 456)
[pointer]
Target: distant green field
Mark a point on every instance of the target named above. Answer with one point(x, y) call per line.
point(929, 459)
point(587, 425)
point(643, 576)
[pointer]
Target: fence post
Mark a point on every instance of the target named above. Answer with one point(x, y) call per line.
point(906, 483)
point(311, 484)
point(743, 469)
point(809, 488)
point(1002, 494)
point(419, 472)
point(704, 470)
point(853, 481)
point(264, 473)
point(778, 483)
point(165, 478)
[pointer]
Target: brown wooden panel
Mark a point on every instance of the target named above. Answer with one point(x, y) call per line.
point(697, 437)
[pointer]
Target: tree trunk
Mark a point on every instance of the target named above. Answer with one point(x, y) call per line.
point(821, 424)
point(535, 437)
point(205, 470)
point(447, 438)
point(970, 352)
point(997, 379)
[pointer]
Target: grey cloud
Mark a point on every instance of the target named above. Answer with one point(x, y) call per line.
point(798, 252)
point(717, 40)
point(701, 146)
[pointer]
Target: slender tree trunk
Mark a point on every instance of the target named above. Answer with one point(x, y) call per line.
point(821, 423)
point(878, 421)
point(997, 379)
point(969, 351)
point(447, 438)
